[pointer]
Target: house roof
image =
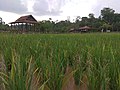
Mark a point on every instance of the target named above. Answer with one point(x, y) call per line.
point(85, 27)
point(25, 19)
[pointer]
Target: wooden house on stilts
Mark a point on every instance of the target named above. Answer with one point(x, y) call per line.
point(24, 24)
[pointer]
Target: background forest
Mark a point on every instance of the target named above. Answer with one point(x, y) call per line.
point(108, 20)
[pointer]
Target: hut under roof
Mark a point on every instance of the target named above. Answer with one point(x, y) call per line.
point(24, 23)
point(81, 29)
point(85, 29)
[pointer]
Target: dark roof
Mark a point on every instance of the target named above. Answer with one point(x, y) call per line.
point(25, 19)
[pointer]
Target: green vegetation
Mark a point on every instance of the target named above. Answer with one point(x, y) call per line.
point(108, 20)
point(30, 61)
point(3, 27)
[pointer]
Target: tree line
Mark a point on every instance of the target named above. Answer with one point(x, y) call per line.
point(2, 25)
point(108, 20)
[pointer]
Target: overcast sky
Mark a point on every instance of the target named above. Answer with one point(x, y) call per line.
point(10, 10)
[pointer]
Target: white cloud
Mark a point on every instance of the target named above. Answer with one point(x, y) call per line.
point(63, 7)
point(114, 4)
point(48, 7)
point(41, 7)
point(8, 17)
point(78, 7)
point(15, 6)
point(57, 9)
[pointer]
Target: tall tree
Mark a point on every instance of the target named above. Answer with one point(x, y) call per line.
point(116, 17)
point(91, 16)
point(107, 15)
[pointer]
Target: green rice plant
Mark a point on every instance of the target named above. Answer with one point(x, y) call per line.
point(40, 61)
point(21, 74)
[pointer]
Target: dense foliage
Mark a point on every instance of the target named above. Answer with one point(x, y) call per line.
point(3, 27)
point(107, 20)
